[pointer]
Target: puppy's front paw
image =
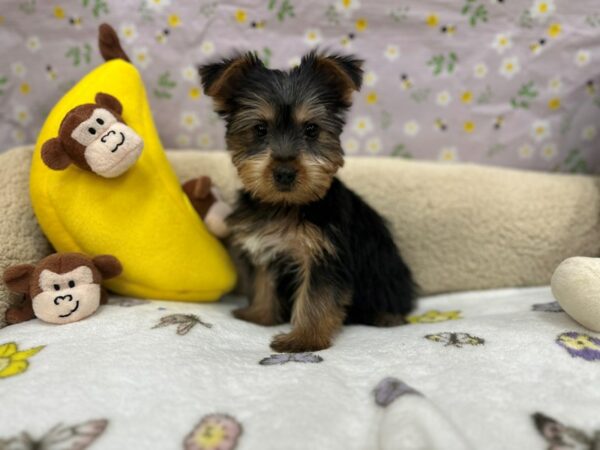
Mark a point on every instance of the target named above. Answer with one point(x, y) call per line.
point(297, 343)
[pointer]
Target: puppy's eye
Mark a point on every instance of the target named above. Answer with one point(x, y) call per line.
point(260, 130)
point(56, 287)
point(92, 130)
point(100, 121)
point(71, 284)
point(311, 130)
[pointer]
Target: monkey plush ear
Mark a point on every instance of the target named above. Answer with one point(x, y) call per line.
point(109, 102)
point(17, 278)
point(108, 266)
point(220, 79)
point(54, 154)
point(343, 71)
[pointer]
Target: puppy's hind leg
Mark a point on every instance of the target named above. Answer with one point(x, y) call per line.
point(264, 309)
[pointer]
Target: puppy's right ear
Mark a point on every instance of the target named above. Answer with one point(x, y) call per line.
point(17, 278)
point(54, 155)
point(220, 79)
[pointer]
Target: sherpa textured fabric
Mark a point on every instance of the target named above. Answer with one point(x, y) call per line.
point(470, 371)
point(460, 227)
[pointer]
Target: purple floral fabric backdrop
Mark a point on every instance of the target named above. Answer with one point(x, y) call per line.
point(513, 83)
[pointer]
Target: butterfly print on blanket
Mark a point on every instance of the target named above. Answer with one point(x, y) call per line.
point(561, 437)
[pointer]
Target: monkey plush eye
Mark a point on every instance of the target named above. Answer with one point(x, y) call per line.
point(100, 121)
point(56, 287)
point(71, 284)
point(92, 130)
point(311, 130)
point(261, 130)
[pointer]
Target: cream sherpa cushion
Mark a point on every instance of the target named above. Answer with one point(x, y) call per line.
point(460, 227)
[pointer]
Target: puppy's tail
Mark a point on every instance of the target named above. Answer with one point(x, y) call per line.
point(109, 44)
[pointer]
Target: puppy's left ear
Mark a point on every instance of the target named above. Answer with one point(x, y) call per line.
point(109, 102)
point(108, 266)
point(343, 71)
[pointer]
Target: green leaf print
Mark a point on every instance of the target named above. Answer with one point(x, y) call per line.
point(420, 95)
point(332, 15)
point(208, 9)
point(526, 94)
point(266, 56)
point(477, 12)
point(165, 87)
point(486, 96)
point(441, 63)
point(525, 20)
point(80, 54)
point(286, 9)
point(3, 81)
point(99, 7)
point(593, 20)
point(495, 149)
point(401, 152)
point(399, 15)
point(28, 7)
point(386, 120)
point(574, 163)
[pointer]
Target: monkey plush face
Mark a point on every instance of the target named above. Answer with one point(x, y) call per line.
point(94, 137)
point(64, 287)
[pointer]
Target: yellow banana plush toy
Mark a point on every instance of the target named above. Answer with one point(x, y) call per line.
point(134, 208)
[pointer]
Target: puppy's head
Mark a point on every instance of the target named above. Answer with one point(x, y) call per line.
point(283, 128)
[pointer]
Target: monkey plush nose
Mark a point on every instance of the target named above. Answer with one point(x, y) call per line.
point(284, 177)
point(60, 298)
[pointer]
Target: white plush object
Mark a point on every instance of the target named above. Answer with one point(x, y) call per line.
point(576, 286)
point(151, 386)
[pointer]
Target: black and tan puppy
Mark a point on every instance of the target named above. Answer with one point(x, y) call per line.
point(319, 255)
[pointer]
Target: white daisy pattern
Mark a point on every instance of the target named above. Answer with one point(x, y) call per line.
point(448, 154)
point(480, 70)
point(548, 151)
point(391, 52)
point(351, 146)
point(205, 141)
point(183, 140)
point(589, 133)
point(411, 128)
point(347, 6)
point(19, 135)
point(141, 57)
point(207, 48)
point(33, 44)
point(312, 37)
point(128, 32)
point(157, 5)
point(443, 98)
point(362, 125)
point(373, 145)
point(555, 85)
point(510, 67)
point(189, 73)
point(18, 69)
point(294, 62)
point(542, 9)
point(189, 120)
point(582, 58)
point(502, 42)
point(526, 151)
point(540, 130)
point(370, 78)
point(22, 115)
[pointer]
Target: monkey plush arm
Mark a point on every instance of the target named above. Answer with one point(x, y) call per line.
point(20, 313)
point(208, 204)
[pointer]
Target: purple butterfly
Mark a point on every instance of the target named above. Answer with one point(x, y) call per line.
point(553, 307)
point(282, 358)
point(76, 437)
point(184, 322)
point(389, 389)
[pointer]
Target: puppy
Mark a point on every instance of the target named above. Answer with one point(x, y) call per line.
point(318, 254)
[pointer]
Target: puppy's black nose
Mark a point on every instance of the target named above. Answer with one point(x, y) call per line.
point(284, 177)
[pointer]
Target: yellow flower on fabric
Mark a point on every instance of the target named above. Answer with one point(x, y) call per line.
point(466, 97)
point(240, 16)
point(433, 316)
point(24, 88)
point(448, 154)
point(579, 342)
point(174, 20)
point(372, 98)
point(361, 24)
point(554, 30)
point(194, 92)
point(59, 12)
point(554, 103)
point(14, 362)
point(432, 20)
point(469, 126)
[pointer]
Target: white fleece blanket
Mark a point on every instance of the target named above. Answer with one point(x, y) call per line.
point(473, 370)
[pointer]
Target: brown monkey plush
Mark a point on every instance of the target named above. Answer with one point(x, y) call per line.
point(94, 137)
point(209, 205)
point(61, 288)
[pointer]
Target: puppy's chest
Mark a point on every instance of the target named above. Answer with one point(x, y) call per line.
point(283, 237)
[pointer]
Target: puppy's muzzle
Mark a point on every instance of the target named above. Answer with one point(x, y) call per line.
point(284, 177)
